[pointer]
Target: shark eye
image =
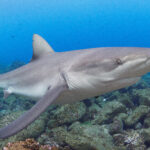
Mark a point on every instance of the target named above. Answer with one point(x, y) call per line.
point(118, 61)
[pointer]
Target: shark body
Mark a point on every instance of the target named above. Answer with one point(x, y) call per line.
point(67, 77)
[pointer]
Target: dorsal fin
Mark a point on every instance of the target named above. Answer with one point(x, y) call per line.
point(40, 47)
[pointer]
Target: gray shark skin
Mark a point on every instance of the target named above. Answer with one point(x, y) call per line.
point(67, 77)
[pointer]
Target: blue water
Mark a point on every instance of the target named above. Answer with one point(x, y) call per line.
point(71, 24)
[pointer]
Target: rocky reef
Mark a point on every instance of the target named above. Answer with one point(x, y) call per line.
point(119, 120)
point(31, 144)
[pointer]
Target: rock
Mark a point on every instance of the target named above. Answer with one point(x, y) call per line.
point(146, 135)
point(81, 143)
point(131, 139)
point(33, 131)
point(113, 108)
point(16, 103)
point(142, 96)
point(28, 144)
point(100, 101)
point(57, 134)
point(108, 112)
point(138, 126)
point(89, 130)
point(84, 137)
point(5, 120)
point(121, 116)
point(147, 121)
point(91, 112)
point(88, 102)
point(138, 114)
point(111, 96)
point(116, 126)
point(121, 148)
point(94, 108)
point(126, 100)
point(43, 138)
point(67, 114)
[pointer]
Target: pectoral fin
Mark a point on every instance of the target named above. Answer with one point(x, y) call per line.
point(26, 119)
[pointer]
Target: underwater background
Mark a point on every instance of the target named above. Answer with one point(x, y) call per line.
point(69, 25)
point(119, 120)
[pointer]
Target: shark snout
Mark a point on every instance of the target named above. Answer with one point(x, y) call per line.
point(144, 66)
point(147, 56)
point(147, 63)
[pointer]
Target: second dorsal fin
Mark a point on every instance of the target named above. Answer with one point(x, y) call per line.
point(40, 47)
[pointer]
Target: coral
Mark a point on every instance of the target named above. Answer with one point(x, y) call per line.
point(138, 114)
point(67, 114)
point(108, 112)
point(146, 135)
point(28, 144)
point(131, 139)
point(142, 96)
point(119, 120)
point(83, 137)
point(14, 103)
point(147, 121)
point(32, 131)
point(116, 126)
point(125, 99)
point(91, 111)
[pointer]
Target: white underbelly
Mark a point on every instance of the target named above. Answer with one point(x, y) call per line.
point(36, 91)
point(82, 90)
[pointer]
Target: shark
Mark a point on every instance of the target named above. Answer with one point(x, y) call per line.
point(67, 77)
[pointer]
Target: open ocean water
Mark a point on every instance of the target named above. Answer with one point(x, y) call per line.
point(118, 120)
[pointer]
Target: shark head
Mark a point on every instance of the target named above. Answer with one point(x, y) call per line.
point(123, 66)
point(111, 68)
point(126, 63)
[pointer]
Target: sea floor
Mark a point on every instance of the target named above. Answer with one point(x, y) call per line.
point(119, 120)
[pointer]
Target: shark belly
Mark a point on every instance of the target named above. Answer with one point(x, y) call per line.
point(81, 88)
point(35, 91)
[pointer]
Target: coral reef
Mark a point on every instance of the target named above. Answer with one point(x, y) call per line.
point(130, 140)
point(83, 136)
point(29, 144)
point(66, 114)
point(137, 115)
